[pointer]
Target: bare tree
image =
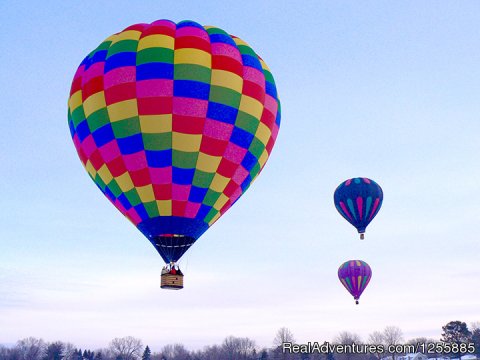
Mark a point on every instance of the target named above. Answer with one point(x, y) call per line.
point(30, 348)
point(235, 348)
point(393, 336)
point(284, 335)
point(376, 338)
point(180, 352)
point(175, 352)
point(231, 348)
point(247, 348)
point(127, 348)
point(211, 353)
point(346, 338)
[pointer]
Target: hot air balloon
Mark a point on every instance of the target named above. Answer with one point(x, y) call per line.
point(173, 122)
point(355, 276)
point(358, 200)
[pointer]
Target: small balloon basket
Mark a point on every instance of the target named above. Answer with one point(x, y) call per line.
point(171, 278)
point(171, 282)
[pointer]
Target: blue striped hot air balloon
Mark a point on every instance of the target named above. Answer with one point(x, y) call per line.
point(358, 200)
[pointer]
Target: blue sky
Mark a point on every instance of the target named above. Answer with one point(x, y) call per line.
point(378, 89)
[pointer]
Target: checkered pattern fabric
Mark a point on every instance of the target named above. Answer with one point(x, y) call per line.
point(173, 122)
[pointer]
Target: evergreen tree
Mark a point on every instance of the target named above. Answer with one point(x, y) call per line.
point(54, 351)
point(78, 354)
point(146, 353)
point(264, 355)
point(456, 332)
point(305, 356)
point(476, 340)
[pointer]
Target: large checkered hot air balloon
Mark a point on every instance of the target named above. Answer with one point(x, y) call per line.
point(358, 200)
point(173, 122)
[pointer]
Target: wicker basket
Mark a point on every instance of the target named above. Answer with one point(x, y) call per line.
point(171, 281)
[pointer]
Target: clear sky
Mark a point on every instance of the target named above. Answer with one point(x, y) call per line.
point(386, 90)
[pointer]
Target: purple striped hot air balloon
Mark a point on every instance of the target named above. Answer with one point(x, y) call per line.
point(358, 200)
point(355, 276)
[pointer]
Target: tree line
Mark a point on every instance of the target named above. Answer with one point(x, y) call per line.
point(243, 348)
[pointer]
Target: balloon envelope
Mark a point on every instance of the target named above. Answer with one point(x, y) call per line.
point(355, 276)
point(173, 122)
point(358, 200)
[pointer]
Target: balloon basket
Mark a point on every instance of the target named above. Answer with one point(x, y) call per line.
point(171, 281)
